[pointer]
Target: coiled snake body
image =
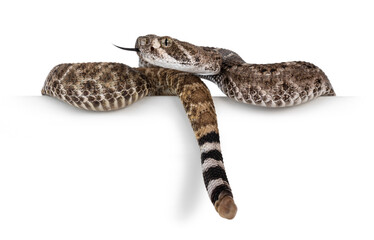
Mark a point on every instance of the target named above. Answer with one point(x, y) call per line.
point(172, 67)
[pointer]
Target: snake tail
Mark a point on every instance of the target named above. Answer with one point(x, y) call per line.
point(200, 110)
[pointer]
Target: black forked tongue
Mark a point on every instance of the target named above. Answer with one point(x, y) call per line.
point(128, 49)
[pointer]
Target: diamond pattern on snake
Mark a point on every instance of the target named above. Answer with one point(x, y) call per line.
point(168, 66)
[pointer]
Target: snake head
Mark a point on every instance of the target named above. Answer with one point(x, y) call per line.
point(171, 53)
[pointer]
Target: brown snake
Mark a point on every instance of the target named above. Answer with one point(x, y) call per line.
point(172, 67)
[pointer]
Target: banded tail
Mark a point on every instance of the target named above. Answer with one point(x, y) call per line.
point(214, 174)
point(200, 110)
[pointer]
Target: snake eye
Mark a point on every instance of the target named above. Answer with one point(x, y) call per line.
point(166, 42)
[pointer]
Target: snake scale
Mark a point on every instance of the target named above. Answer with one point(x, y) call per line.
point(172, 67)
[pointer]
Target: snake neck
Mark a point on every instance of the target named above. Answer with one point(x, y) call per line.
point(165, 82)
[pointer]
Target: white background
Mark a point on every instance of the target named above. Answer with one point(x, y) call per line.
point(296, 173)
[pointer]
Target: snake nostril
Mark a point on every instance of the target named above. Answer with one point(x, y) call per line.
point(152, 48)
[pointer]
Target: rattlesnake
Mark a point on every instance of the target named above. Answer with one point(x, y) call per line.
point(172, 67)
